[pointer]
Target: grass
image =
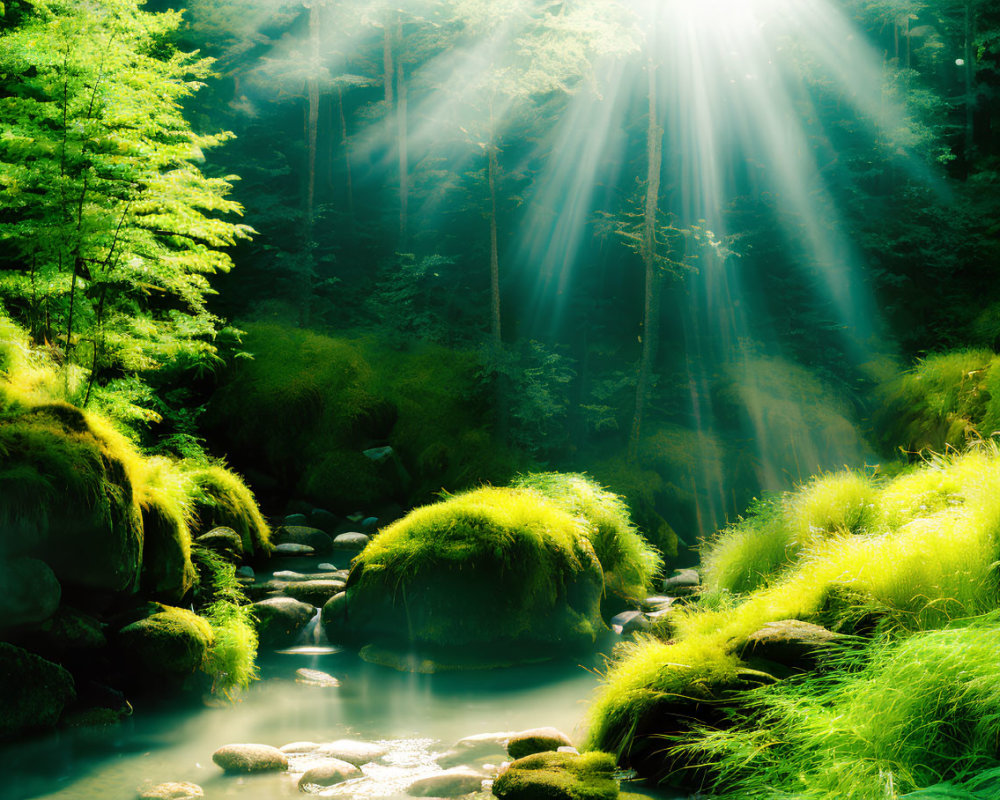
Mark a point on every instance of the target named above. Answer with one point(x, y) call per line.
point(916, 553)
point(629, 562)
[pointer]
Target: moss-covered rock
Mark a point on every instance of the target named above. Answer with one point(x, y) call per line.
point(168, 645)
point(491, 570)
point(165, 499)
point(29, 592)
point(33, 692)
point(222, 500)
point(67, 497)
point(559, 776)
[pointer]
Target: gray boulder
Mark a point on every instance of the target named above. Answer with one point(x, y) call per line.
point(280, 619)
point(682, 583)
point(353, 751)
point(315, 592)
point(352, 540)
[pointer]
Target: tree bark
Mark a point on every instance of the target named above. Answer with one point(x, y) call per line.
point(651, 302)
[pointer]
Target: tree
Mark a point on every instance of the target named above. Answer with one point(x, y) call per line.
point(108, 227)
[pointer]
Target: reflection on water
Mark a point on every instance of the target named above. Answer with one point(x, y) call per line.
point(371, 702)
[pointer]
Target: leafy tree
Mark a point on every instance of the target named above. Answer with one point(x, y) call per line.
point(108, 227)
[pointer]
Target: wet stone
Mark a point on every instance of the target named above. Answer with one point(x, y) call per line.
point(450, 783)
point(248, 758)
point(314, 677)
point(297, 550)
point(329, 773)
point(172, 790)
point(353, 751)
point(352, 540)
point(536, 740)
point(298, 748)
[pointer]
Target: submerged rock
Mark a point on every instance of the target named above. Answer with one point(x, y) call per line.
point(314, 677)
point(316, 592)
point(353, 751)
point(250, 758)
point(536, 740)
point(450, 783)
point(302, 534)
point(172, 790)
point(329, 773)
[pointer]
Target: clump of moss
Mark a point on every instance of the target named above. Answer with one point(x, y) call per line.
point(558, 776)
point(164, 495)
point(221, 499)
point(913, 564)
point(831, 505)
point(745, 555)
point(943, 402)
point(169, 644)
point(494, 568)
point(629, 562)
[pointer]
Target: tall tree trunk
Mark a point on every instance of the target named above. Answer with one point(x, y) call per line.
point(969, 76)
point(493, 176)
point(345, 145)
point(651, 304)
point(402, 146)
point(312, 124)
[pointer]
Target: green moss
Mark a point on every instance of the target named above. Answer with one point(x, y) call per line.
point(164, 496)
point(490, 567)
point(558, 776)
point(171, 644)
point(629, 562)
point(221, 498)
point(916, 553)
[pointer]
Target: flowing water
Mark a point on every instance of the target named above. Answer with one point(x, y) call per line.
point(416, 715)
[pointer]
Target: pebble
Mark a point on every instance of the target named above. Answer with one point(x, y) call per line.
point(328, 773)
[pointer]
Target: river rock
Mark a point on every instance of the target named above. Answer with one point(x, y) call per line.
point(168, 645)
point(224, 541)
point(353, 751)
point(299, 748)
point(293, 551)
point(473, 748)
point(790, 642)
point(619, 621)
point(352, 540)
point(302, 534)
point(295, 520)
point(250, 758)
point(450, 783)
point(246, 572)
point(33, 691)
point(536, 740)
point(30, 592)
point(315, 592)
point(328, 773)
point(682, 583)
point(314, 677)
point(324, 520)
point(281, 619)
point(173, 790)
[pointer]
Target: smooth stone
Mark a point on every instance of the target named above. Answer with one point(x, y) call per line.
point(280, 619)
point(353, 751)
point(31, 592)
point(352, 540)
point(327, 567)
point(657, 602)
point(314, 677)
point(250, 758)
point(293, 550)
point(536, 740)
point(224, 541)
point(295, 519)
point(299, 748)
point(369, 523)
point(314, 592)
point(329, 773)
point(450, 783)
point(473, 748)
point(619, 621)
point(637, 624)
point(172, 790)
point(246, 572)
point(302, 534)
point(682, 582)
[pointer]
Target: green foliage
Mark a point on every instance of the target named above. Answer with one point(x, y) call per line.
point(164, 495)
point(221, 498)
point(629, 562)
point(109, 228)
point(915, 554)
point(230, 660)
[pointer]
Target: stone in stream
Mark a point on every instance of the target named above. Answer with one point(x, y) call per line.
point(281, 619)
point(536, 740)
point(473, 748)
point(353, 751)
point(172, 790)
point(298, 748)
point(250, 758)
point(293, 550)
point(295, 519)
point(314, 677)
point(302, 534)
point(682, 583)
point(315, 592)
point(637, 624)
point(323, 519)
point(352, 540)
point(450, 783)
point(329, 773)
point(559, 776)
point(619, 621)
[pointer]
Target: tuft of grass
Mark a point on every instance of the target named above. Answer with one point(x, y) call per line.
point(221, 497)
point(164, 495)
point(743, 556)
point(630, 563)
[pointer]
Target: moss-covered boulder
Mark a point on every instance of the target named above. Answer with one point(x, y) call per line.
point(164, 497)
point(168, 645)
point(67, 497)
point(223, 500)
point(33, 692)
point(559, 776)
point(485, 573)
point(29, 592)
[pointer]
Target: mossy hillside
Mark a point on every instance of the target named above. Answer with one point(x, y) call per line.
point(918, 571)
point(492, 567)
point(945, 401)
point(220, 497)
point(904, 715)
point(306, 406)
point(629, 562)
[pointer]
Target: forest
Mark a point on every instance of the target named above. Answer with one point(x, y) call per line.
point(360, 356)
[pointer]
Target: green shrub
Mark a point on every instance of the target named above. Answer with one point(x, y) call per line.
point(629, 562)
